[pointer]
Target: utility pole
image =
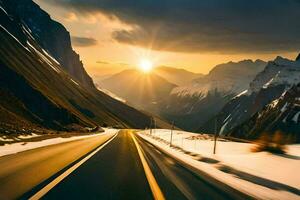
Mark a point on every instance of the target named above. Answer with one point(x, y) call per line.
point(151, 126)
point(171, 134)
point(215, 137)
point(154, 120)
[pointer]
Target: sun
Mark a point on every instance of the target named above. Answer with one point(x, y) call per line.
point(145, 65)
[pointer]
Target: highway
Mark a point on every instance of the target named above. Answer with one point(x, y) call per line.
point(124, 167)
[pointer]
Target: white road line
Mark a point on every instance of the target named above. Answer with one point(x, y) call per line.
point(53, 183)
point(156, 191)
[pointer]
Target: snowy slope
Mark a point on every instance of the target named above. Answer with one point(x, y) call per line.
point(280, 71)
point(282, 114)
point(228, 78)
point(261, 174)
point(191, 105)
point(278, 76)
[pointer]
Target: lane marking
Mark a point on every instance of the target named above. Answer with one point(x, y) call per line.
point(53, 183)
point(157, 193)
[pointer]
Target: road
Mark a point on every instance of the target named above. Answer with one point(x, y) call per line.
point(22, 171)
point(118, 171)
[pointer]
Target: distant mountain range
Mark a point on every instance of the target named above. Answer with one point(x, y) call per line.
point(176, 76)
point(178, 95)
point(43, 84)
point(142, 90)
point(191, 105)
point(233, 98)
point(268, 86)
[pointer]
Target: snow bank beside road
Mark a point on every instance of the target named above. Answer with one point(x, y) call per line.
point(261, 175)
point(23, 146)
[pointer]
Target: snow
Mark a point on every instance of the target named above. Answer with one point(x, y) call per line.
point(225, 120)
point(228, 78)
point(223, 128)
point(283, 109)
point(281, 71)
point(268, 83)
point(203, 87)
point(44, 58)
point(3, 10)
point(8, 149)
point(28, 32)
point(240, 94)
point(264, 169)
point(74, 82)
point(33, 135)
point(109, 93)
point(4, 139)
point(296, 117)
point(14, 37)
point(49, 56)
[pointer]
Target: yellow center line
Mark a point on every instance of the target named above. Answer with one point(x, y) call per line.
point(157, 193)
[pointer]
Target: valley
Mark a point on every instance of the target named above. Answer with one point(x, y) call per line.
point(149, 100)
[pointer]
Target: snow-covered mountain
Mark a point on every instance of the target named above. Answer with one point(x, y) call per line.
point(191, 105)
point(278, 76)
point(280, 71)
point(231, 77)
point(282, 114)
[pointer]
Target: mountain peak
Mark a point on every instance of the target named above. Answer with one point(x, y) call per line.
point(259, 61)
point(279, 58)
point(298, 57)
point(286, 62)
point(52, 36)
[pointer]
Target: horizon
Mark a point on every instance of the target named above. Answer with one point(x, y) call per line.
point(149, 99)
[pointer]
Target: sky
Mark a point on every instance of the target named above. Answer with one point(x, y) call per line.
point(112, 35)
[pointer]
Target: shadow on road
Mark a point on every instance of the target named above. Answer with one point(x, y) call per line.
point(259, 180)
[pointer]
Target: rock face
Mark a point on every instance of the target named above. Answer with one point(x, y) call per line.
point(191, 105)
point(37, 92)
point(51, 35)
point(282, 114)
point(298, 57)
point(278, 76)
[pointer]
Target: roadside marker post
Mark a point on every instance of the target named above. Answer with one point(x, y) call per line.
point(151, 126)
point(171, 134)
point(215, 136)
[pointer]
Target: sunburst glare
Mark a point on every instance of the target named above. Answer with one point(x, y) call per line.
point(145, 65)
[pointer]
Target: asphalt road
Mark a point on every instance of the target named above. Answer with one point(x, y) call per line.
point(118, 172)
point(115, 172)
point(23, 171)
point(176, 181)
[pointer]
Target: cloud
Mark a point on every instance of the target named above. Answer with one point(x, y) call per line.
point(102, 62)
point(70, 17)
point(83, 41)
point(221, 26)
